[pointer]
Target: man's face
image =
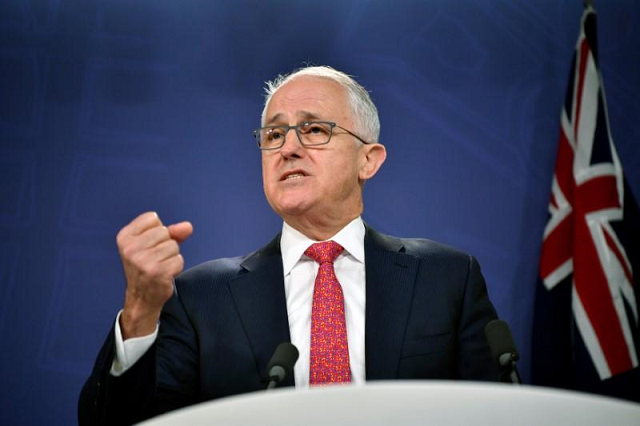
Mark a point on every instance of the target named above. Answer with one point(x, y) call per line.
point(317, 183)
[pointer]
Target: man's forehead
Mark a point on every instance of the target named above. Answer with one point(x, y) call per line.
point(307, 98)
point(300, 115)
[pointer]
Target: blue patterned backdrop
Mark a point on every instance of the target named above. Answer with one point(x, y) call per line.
point(113, 107)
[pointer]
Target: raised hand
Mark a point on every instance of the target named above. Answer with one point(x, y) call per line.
point(151, 259)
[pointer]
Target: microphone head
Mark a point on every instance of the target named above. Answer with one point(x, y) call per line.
point(281, 363)
point(500, 341)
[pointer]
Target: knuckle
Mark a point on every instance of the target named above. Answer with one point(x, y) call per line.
point(128, 252)
point(153, 270)
point(176, 267)
point(148, 215)
point(155, 219)
point(141, 260)
point(157, 234)
point(164, 233)
point(121, 237)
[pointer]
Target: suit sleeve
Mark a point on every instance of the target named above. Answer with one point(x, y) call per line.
point(164, 379)
point(109, 400)
point(473, 354)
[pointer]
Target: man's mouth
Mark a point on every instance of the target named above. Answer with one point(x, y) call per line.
point(297, 174)
point(294, 176)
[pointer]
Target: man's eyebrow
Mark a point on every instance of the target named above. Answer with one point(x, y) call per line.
point(273, 119)
point(305, 115)
point(309, 115)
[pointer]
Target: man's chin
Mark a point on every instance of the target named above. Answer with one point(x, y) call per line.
point(291, 206)
point(292, 211)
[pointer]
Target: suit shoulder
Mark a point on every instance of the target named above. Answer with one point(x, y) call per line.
point(211, 272)
point(219, 272)
point(210, 269)
point(418, 247)
point(422, 247)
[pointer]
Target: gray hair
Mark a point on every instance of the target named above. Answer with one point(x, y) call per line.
point(363, 108)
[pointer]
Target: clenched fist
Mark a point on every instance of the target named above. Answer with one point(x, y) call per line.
point(151, 259)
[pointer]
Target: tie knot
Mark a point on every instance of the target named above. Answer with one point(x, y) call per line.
point(325, 252)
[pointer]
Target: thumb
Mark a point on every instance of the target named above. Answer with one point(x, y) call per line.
point(180, 231)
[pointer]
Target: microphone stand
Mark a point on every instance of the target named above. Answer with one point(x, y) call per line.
point(509, 373)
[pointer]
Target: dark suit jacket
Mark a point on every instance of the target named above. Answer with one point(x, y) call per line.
point(426, 308)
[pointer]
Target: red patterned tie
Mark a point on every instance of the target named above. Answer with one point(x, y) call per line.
point(329, 362)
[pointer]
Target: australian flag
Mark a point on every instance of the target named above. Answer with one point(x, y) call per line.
point(586, 334)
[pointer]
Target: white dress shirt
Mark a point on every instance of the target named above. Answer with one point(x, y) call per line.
point(299, 278)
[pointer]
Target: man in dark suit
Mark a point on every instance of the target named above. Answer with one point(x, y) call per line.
point(212, 333)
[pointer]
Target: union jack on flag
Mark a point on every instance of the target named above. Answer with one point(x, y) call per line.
point(584, 244)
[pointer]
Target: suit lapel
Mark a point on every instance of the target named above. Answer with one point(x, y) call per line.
point(390, 275)
point(259, 298)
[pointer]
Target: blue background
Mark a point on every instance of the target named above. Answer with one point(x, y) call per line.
point(109, 108)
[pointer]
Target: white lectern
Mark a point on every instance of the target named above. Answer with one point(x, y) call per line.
point(410, 403)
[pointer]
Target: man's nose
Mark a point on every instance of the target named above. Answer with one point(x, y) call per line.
point(292, 146)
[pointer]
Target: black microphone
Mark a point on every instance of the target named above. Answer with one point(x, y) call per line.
point(503, 350)
point(281, 363)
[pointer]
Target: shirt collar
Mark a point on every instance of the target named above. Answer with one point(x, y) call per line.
point(293, 243)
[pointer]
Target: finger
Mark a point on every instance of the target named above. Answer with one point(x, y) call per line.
point(180, 231)
point(165, 250)
point(132, 244)
point(174, 265)
point(152, 237)
point(143, 222)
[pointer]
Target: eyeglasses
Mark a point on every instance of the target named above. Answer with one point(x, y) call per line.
point(310, 133)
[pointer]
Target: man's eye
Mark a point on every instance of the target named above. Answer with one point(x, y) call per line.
point(314, 128)
point(275, 134)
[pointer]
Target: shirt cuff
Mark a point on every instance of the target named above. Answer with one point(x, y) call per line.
point(129, 351)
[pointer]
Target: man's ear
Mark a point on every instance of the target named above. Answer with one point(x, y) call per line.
point(372, 157)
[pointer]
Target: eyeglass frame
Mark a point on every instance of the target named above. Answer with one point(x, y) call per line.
point(332, 125)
